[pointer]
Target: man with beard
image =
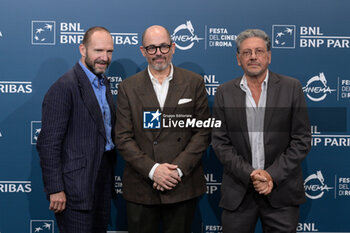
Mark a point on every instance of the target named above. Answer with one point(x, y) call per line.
point(265, 135)
point(163, 175)
point(75, 145)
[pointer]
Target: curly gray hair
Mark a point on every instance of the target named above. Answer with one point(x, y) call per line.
point(249, 33)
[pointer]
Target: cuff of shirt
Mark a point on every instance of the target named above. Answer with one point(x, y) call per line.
point(151, 173)
point(180, 172)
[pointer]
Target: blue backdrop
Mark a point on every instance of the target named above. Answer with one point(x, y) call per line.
point(310, 41)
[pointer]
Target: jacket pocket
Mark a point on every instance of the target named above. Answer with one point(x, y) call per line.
point(74, 164)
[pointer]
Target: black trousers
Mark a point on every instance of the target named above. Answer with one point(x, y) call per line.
point(173, 218)
point(95, 220)
point(254, 206)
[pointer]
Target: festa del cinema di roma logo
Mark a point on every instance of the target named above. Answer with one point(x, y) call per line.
point(315, 186)
point(184, 36)
point(316, 88)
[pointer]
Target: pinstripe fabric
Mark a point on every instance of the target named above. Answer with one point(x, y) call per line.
point(72, 140)
point(95, 220)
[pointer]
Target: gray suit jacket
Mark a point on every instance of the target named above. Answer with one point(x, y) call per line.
point(287, 140)
point(142, 148)
point(72, 138)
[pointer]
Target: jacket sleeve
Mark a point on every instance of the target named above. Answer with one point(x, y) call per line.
point(125, 138)
point(234, 164)
point(300, 140)
point(55, 116)
point(199, 141)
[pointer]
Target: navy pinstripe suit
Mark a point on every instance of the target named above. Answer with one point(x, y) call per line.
point(72, 141)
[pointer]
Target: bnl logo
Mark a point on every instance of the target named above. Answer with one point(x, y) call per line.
point(151, 119)
point(35, 131)
point(283, 36)
point(42, 226)
point(43, 32)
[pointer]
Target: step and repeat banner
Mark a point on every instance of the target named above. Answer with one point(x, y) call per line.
point(310, 41)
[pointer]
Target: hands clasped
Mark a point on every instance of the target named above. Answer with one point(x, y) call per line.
point(262, 181)
point(166, 177)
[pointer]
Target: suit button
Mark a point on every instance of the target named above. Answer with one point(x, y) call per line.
point(155, 143)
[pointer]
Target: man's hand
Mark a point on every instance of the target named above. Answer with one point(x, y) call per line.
point(166, 177)
point(58, 202)
point(159, 187)
point(262, 181)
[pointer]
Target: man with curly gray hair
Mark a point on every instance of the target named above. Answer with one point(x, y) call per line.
point(264, 137)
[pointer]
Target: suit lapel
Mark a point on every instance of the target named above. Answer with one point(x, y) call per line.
point(147, 94)
point(175, 92)
point(110, 100)
point(89, 98)
point(271, 99)
point(148, 99)
point(239, 103)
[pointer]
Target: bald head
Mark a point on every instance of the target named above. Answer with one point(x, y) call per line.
point(155, 31)
point(91, 31)
point(158, 49)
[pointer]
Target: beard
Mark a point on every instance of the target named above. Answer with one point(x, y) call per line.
point(92, 65)
point(157, 66)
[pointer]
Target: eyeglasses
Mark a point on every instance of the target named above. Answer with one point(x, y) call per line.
point(248, 53)
point(152, 49)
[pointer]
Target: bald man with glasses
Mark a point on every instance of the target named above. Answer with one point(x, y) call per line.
point(163, 175)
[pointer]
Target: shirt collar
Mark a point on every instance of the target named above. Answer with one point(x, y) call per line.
point(170, 77)
point(244, 84)
point(94, 80)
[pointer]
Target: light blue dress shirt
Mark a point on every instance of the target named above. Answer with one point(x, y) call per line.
point(99, 88)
